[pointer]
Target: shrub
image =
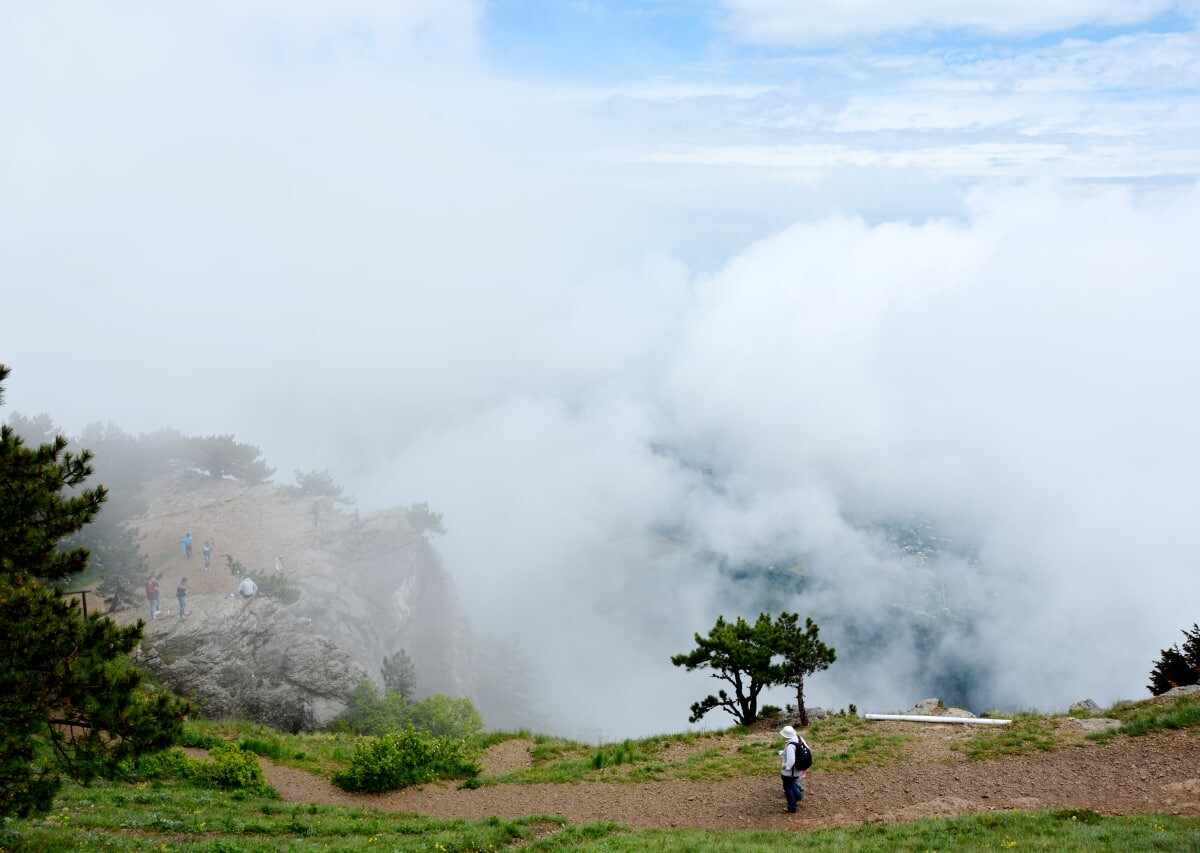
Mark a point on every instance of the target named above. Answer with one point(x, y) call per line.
point(231, 767)
point(372, 714)
point(167, 764)
point(439, 715)
point(279, 588)
point(401, 759)
point(442, 716)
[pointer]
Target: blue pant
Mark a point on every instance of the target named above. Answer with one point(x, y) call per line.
point(793, 790)
point(182, 604)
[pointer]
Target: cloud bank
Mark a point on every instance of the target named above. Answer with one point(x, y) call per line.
point(622, 336)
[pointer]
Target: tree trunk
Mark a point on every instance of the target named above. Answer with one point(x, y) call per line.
point(800, 702)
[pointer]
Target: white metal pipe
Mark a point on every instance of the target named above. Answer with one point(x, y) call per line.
point(931, 718)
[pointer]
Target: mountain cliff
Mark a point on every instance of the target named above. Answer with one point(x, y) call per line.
point(349, 591)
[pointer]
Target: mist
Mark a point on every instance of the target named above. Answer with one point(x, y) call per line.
point(621, 351)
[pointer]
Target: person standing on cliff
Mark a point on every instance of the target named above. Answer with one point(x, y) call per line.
point(207, 552)
point(186, 544)
point(181, 594)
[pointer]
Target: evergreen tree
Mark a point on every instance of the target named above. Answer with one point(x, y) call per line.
point(740, 654)
point(803, 654)
point(220, 456)
point(400, 676)
point(320, 484)
point(423, 520)
point(1177, 667)
point(122, 563)
point(70, 703)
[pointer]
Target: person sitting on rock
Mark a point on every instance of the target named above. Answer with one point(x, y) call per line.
point(247, 588)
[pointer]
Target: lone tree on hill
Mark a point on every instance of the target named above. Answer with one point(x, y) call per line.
point(220, 456)
point(423, 520)
point(753, 657)
point(69, 698)
point(803, 654)
point(737, 653)
point(320, 484)
point(1177, 667)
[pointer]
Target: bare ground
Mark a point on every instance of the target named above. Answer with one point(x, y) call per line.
point(1155, 773)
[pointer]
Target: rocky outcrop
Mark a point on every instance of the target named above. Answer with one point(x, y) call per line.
point(251, 658)
point(367, 587)
point(935, 708)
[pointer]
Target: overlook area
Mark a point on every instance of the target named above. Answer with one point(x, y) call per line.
point(1084, 782)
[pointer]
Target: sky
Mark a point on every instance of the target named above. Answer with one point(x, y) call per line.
point(756, 272)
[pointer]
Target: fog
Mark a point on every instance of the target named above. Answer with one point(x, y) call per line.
point(622, 332)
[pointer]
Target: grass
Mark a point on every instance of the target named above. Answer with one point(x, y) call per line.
point(182, 814)
point(1140, 718)
point(1070, 830)
point(179, 816)
point(1027, 733)
point(844, 743)
point(848, 743)
point(317, 752)
point(841, 742)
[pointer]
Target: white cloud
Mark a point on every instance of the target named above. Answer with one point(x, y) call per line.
point(815, 23)
point(1021, 378)
point(336, 235)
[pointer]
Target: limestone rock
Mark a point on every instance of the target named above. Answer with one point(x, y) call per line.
point(933, 708)
point(368, 587)
point(251, 658)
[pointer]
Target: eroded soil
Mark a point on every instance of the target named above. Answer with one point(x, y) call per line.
point(1154, 773)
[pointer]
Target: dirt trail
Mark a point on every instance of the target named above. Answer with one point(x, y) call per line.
point(1155, 773)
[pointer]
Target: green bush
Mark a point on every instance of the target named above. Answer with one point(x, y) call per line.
point(439, 715)
point(231, 767)
point(279, 588)
point(167, 764)
point(445, 716)
point(401, 759)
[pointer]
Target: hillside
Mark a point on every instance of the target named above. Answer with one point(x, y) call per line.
point(1154, 773)
point(360, 589)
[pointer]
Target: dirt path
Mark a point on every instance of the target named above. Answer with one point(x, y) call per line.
point(1155, 773)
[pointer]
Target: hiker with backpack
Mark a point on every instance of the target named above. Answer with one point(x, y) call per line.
point(797, 758)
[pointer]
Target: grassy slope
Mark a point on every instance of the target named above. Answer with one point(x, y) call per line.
point(184, 815)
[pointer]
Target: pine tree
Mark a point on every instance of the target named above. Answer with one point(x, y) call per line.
point(1177, 667)
point(220, 456)
point(400, 675)
point(803, 654)
point(739, 654)
point(70, 703)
